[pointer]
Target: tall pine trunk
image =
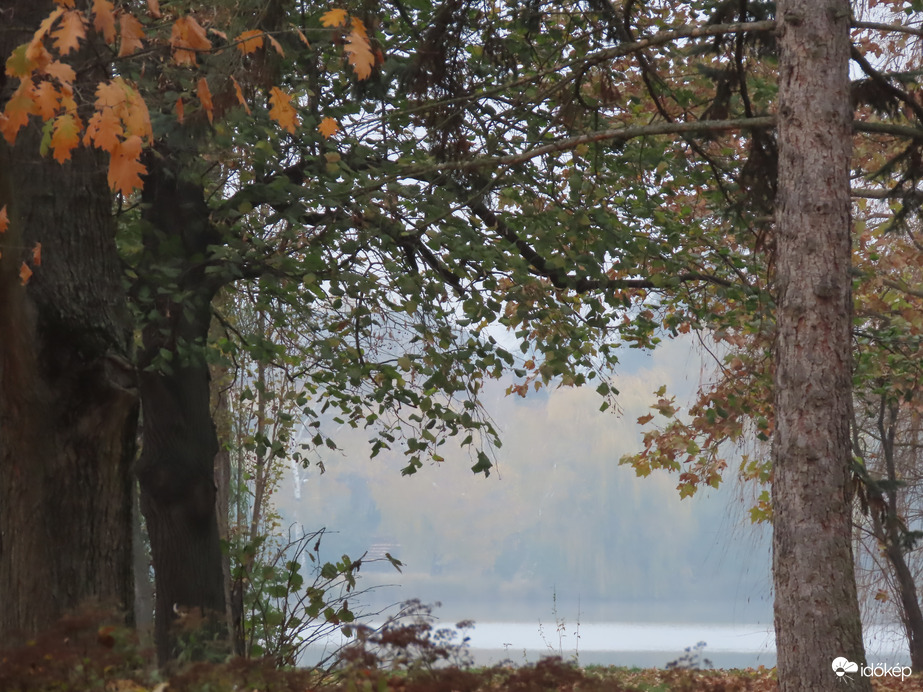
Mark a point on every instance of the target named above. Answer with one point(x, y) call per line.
point(816, 609)
point(68, 393)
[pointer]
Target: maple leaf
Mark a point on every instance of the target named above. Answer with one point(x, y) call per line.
point(186, 37)
point(249, 41)
point(24, 274)
point(240, 95)
point(66, 136)
point(125, 168)
point(4, 219)
point(132, 33)
point(646, 419)
point(67, 36)
point(358, 50)
point(334, 17)
point(205, 97)
point(47, 100)
point(328, 127)
point(282, 110)
point(37, 255)
point(153, 8)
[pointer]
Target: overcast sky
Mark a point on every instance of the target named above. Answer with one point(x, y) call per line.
point(559, 518)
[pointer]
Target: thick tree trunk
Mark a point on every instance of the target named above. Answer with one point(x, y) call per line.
point(176, 467)
point(68, 393)
point(816, 609)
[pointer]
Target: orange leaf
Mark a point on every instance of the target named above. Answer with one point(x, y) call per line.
point(46, 25)
point(304, 39)
point(249, 41)
point(104, 130)
point(4, 219)
point(180, 110)
point(335, 17)
point(17, 111)
point(205, 96)
point(104, 19)
point(64, 3)
point(132, 33)
point(240, 95)
point(187, 37)
point(47, 100)
point(125, 168)
point(328, 127)
point(358, 50)
point(67, 36)
point(276, 45)
point(24, 274)
point(61, 71)
point(66, 136)
point(153, 8)
point(37, 255)
point(282, 110)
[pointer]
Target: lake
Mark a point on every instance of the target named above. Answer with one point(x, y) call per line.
point(646, 645)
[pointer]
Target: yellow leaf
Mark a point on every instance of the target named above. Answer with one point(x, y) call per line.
point(24, 274)
point(205, 97)
point(66, 136)
point(358, 50)
point(335, 17)
point(240, 95)
point(67, 36)
point(328, 127)
point(132, 33)
point(282, 110)
point(4, 219)
point(249, 41)
point(104, 19)
point(37, 255)
point(125, 168)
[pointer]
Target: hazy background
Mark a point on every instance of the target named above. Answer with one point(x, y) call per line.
point(559, 519)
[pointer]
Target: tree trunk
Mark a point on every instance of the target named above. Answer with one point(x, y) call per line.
point(68, 392)
point(816, 608)
point(176, 467)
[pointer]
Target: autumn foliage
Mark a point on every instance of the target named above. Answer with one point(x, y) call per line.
point(120, 123)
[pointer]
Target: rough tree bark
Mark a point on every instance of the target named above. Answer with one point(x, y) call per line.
point(68, 393)
point(816, 609)
point(176, 466)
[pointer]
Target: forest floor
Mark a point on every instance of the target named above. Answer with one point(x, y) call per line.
point(80, 655)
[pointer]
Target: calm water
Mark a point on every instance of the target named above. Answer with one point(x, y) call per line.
point(649, 645)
